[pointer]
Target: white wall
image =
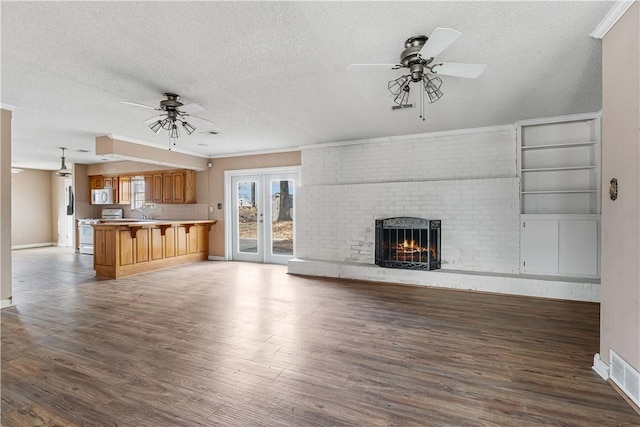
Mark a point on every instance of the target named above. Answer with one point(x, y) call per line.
point(466, 180)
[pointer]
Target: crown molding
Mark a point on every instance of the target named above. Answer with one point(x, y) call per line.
point(610, 19)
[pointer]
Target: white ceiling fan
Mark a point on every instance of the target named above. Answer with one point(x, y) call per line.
point(419, 58)
point(174, 113)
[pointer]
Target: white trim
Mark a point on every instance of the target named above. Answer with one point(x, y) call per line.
point(34, 245)
point(610, 19)
point(8, 107)
point(600, 367)
point(571, 289)
point(558, 119)
point(255, 153)
point(216, 258)
point(410, 137)
point(228, 174)
point(6, 303)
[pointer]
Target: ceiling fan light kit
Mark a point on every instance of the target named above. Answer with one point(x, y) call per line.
point(419, 58)
point(64, 171)
point(173, 112)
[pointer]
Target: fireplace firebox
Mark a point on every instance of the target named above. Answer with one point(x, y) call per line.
point(410, 243)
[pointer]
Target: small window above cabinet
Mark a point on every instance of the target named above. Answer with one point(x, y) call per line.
point(559, 162)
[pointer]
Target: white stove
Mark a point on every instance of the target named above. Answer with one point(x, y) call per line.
point(85, 229)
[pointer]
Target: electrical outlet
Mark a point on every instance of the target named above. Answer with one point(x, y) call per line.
point(210, 208)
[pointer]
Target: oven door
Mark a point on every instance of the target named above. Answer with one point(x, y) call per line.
point(85, 239)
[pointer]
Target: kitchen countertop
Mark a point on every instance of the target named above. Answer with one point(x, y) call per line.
point(128, 222)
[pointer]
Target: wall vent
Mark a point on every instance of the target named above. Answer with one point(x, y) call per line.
point(625, 377)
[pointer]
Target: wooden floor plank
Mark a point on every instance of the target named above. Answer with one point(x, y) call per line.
point(240, 344)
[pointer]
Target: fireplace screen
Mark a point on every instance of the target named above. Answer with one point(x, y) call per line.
point(411, 243)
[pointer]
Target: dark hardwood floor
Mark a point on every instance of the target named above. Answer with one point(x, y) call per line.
point(240, 344)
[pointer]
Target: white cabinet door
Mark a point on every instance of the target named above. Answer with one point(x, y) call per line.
point(578, 254)
point(539, 247)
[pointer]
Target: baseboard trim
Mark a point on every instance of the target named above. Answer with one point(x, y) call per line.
point(34, 245)
point(600, 367)
point(570, 289)
point(216, 258)
point(6, 303)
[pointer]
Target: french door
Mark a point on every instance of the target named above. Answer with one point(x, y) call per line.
point(263, 217)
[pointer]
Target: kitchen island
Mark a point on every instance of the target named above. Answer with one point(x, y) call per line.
point(127, 247)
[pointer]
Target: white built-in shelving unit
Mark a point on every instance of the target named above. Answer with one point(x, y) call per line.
point(559, 166)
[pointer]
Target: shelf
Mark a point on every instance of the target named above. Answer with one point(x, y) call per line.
point(559, 191)
point(552, 146)
point(568, 168)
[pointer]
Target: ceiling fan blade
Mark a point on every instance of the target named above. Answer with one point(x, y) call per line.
point(389, 66)
point(191, 108)
point(135, 104)
point(439, 40)
point(468, 71)
point(155, 118)
point(197, 121)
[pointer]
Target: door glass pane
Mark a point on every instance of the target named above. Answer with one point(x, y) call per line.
point(281, 217)
point(247, 217)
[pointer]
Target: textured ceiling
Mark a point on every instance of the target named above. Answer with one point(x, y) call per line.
point(272, 75)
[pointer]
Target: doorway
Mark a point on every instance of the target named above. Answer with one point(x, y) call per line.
point(262, 225)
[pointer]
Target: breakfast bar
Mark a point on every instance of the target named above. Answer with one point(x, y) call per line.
point(128, 247)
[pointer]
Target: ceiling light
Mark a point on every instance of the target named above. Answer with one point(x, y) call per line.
point(431, 84)
point(156, 126)
point(173, 133)
point(64, 172)
point(188, 127)
point(15, 171)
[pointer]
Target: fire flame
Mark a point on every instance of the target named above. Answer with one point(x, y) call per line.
point(411, 246)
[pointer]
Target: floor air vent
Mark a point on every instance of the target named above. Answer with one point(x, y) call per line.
point(625, 377)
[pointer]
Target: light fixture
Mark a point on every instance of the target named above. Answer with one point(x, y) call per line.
point(173, 133)
point(173, 117)
point(188, 127)
point(156, 126)
point(431, 84)
point(64, 172)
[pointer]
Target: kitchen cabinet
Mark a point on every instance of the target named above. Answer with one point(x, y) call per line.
point(124, 187)
point(123, 249)
point(105, 243)
point(178, 187)
point(170, 186)
point(96, 182)
point(156, 188)
point(148, 188)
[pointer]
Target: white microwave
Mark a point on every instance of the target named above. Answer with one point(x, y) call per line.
point(102, 197)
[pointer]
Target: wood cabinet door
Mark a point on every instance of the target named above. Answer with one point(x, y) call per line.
point(178, 187)
point(156, 188)
point(142, 245)
point(108, 182)
point(167, 188)
point(148, 188)
point(157, 243)
point(126, 247)
point(203, 238)
point(104, 249)
point(96, 182)
point(170, 242)
point(125, 189)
